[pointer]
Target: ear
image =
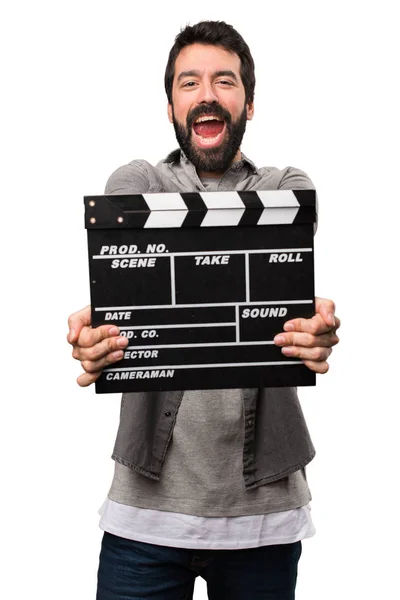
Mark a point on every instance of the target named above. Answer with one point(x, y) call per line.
point(250, 110)
point(170, 113)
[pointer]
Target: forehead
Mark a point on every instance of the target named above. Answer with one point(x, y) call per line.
point(207, 59)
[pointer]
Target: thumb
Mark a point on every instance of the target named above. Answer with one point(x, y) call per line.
point(76, 322)
point(326, 308)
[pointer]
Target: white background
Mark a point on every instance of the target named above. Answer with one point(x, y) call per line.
point(82, 94)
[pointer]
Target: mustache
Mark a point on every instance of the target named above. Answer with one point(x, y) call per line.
point(208, 109)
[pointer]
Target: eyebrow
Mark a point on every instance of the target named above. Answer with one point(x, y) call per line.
point(197, 73)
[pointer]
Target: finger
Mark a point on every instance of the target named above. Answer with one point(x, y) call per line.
point(314, 354)
point(88, 378)
point(317, 367)
point(337, 323)
point(89, 336)
point(98, 351)
point(315, 326)
point(76, 322)
point(306, 339)
point(91, 366)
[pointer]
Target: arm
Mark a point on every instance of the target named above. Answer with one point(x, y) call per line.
point(98, 347)
point(309, 339)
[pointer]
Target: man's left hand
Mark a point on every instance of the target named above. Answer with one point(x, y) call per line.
point(311, 339)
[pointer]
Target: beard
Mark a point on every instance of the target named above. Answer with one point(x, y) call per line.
point(216, 159)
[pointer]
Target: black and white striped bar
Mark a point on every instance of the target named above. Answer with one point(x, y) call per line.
point(206, 209)
point(200, 284)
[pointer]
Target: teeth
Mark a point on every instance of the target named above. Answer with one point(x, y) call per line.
point(209, 140)
point(207, 118)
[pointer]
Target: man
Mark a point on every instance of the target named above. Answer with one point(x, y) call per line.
point(212, 482)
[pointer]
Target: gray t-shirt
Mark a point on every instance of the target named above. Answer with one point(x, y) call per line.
point(209, 424)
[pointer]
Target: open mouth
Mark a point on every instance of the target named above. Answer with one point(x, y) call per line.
point(208, 131)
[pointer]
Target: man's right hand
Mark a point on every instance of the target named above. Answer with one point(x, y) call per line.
point(95, 348)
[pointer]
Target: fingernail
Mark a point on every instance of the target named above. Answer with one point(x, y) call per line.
point(288, 327)
point(279, 339)
point(71, 334)
point(117, 355)
point(287, 351)
point(113, 331)
point(122, 341)
point(332, 318)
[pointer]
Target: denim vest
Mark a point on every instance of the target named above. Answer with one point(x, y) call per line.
point(276, 439)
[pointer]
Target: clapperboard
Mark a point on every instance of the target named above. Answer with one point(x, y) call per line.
point(200, 283)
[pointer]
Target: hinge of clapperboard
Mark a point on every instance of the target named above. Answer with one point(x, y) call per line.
point(205, 209)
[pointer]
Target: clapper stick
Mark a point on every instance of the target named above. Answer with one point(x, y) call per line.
point(200, 283)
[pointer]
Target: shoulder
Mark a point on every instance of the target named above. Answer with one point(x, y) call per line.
point(133, 178)
point(295, 179)
point(289, 178)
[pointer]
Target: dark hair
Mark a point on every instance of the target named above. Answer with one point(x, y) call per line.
point(214, 33)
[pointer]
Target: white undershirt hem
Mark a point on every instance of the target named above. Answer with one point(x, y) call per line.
point(179, 530)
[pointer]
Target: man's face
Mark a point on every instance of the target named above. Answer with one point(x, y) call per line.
point(208, 108)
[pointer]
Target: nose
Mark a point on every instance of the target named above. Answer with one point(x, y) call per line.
point(207, 94)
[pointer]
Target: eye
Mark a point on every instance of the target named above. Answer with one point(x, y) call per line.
point(189, 84)
point(225, 82)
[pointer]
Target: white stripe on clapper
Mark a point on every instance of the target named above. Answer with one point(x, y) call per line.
point(207, 366)
point(205, 304)
point(208, 345)
point(176, 325)
point(165, 202)
point(228, 217)
point(173, 296)
point(278, 198)
point(278, 216)
point(203, 253)
point(247, 274)
point(280, 207)
point(222, 200)
point(165, 218)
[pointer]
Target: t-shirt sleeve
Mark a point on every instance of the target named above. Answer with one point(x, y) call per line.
point(295, 179)
point(128, 179)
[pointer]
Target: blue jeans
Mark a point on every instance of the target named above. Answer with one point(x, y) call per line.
point(130, 569)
